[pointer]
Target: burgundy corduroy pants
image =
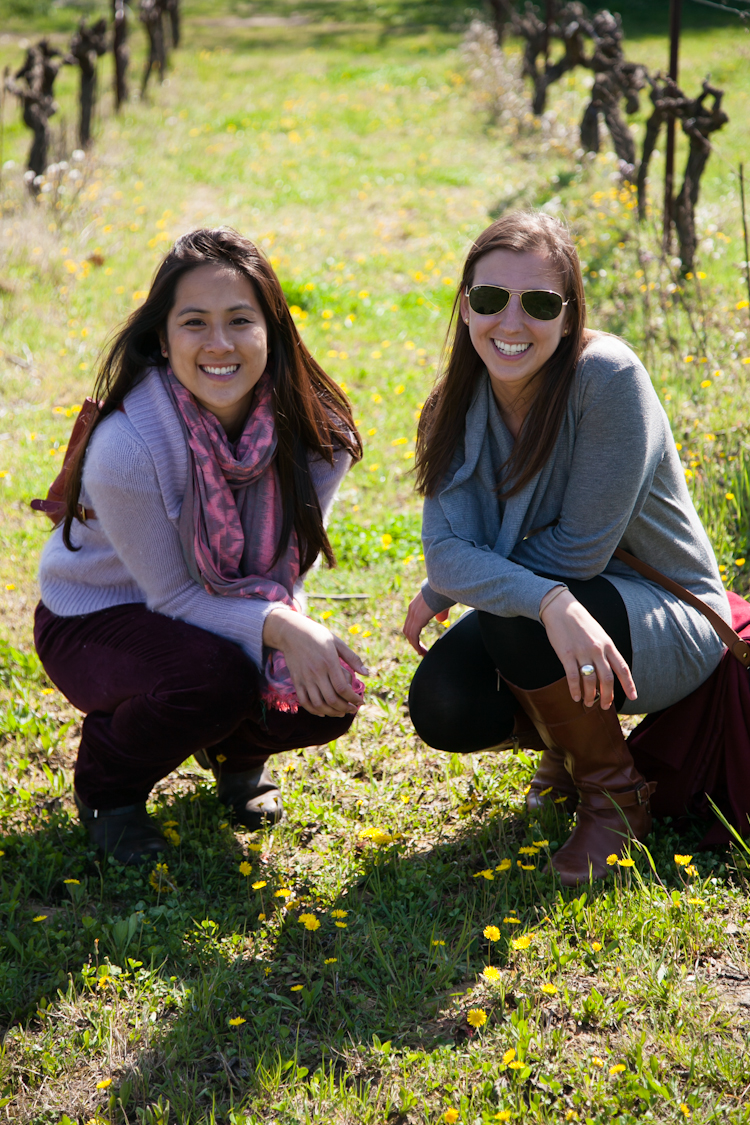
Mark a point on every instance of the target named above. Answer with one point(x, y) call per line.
point(154, 690)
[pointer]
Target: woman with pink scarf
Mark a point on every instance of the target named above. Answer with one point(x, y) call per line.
point(172, 610)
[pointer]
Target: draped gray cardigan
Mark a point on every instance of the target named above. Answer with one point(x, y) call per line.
point(614, 478)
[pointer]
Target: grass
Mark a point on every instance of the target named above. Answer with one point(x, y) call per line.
point(359, 153)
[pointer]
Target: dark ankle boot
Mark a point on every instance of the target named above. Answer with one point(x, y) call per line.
point(614, 796)
point(253, 796)
point(128, 833)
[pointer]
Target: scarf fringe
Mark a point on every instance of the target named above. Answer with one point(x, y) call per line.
point(278, 702)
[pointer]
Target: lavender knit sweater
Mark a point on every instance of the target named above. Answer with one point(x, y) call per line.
point(134, 478)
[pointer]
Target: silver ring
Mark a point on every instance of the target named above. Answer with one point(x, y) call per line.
point(587, 669)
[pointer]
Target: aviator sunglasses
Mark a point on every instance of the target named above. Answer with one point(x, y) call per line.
point(539, 304)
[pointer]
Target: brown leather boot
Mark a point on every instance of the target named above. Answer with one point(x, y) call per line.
point(614, 796)
point(551, 783)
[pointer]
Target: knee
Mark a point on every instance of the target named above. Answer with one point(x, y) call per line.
point(437, 714)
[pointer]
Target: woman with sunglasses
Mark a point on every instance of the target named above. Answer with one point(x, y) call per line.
point(172, 609)
point(542, 448)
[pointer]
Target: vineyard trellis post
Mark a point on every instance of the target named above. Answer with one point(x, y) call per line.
point(675, 19)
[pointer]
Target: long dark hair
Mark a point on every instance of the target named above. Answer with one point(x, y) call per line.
point(312, 412)
point(444, 415)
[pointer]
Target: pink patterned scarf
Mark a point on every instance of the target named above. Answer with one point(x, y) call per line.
point(232, 489)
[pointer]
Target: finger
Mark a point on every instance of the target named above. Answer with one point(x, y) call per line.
point(304, 700)
point(350, 656)
point(572, 674)
point(412, 635)
point(606, 682)
point(621, 669)
point(336, 685)
point(589, 683)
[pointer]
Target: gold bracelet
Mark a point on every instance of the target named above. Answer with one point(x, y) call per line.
point(555, 594)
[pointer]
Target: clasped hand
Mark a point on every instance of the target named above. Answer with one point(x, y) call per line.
point(312, 654)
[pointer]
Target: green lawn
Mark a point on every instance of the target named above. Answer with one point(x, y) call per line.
point(358, 151)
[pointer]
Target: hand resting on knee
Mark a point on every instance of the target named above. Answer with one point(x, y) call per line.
point(312, 655)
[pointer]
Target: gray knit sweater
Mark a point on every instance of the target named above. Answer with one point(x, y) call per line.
point(134, 477)
point(614, 478)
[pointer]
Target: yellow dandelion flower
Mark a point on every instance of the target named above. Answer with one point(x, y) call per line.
point(310, 922)
point(503, 1115)
point(296, 988)
point(486, 874)
point(236, 1021)
point(104, 981)
point(627, 862)
point(339, 913)
point(261, 917)
point(438, 941)
point(683, 860)
point(684, 1110)
point(522, 942)
point(245, 868)
point(696, 902)
point(105, 1082)
point(596, 946)
point(476, 1017)
point(40, 918)
point(504, 865)
point(512, 921)
point(542, 843)
point(739, 562)
point(618, 1068)
point(549, 989)
point(259, 885)
point(491, 974)
point(255, 847)
point(611, 860)
point(526, 866)
point(451, 1116)
point(692, 871)
point(596, 1061)
point(283, 892)
point(516, 1065)
point(509, 1055)
point(528, 849)
point(330, 960)
point(76, 882)
point(491, 933)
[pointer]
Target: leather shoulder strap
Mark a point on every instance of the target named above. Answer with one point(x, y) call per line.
point(732, 640)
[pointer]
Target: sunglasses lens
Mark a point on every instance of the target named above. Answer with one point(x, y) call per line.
point(541, 305)
point(488, 299)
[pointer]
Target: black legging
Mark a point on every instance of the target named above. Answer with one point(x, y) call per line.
point(458, 700)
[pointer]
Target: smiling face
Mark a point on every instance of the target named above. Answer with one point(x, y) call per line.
point(511, 343)
point(217, 341)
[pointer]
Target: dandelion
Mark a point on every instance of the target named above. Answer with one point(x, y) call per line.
point(684, 1109)
point(330, 960)
point(491, 974)
point(236, 1021)
point(549, 989)
point(339, 913)
point(503, 1115)
point(692, 871)
point(509, 1055)
point(104, 981)
point(261, 917)
point(245, 868)
point(491, 933)
point(283, 892)
point(696, 902)
point(571, 1115)
point(542, 844)
point(255, 847)
point(451, 1116)
point(476, 1017)
point(522, 942)
point(627, 862)
point(437, 941)
point(386, 540)
point(74, 882)
point(683, 860)
point(596, 946)
point(596, 1061)
point(399, 390)
point(729, 496)
point(512, 921)
point(611, 860)
point(528, 849)
point(516, 1065)
point(526, 866)
point(739, 562)
point(259, 885)
point(40, 918)
point(618, 1068)
point(310, 922)
point(504, 865)
point(487, 874)
point(296, 988)
point(341, 925)
point(105, 1082)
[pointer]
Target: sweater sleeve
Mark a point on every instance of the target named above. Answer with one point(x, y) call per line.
point(476, 576)
point(619, 443)
point(121, 482)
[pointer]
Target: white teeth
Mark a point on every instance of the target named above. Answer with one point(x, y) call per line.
point(220, 370)
point(510, 349)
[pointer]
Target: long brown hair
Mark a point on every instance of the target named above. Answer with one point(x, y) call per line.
point(312, 412)
point(444, 415)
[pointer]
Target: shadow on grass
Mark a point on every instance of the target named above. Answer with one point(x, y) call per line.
point(212, 1005)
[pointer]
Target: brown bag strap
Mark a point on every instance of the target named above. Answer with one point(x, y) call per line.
point(732, 640)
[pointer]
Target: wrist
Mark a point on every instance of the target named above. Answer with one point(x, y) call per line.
point(551, 596)
point(276, 625)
